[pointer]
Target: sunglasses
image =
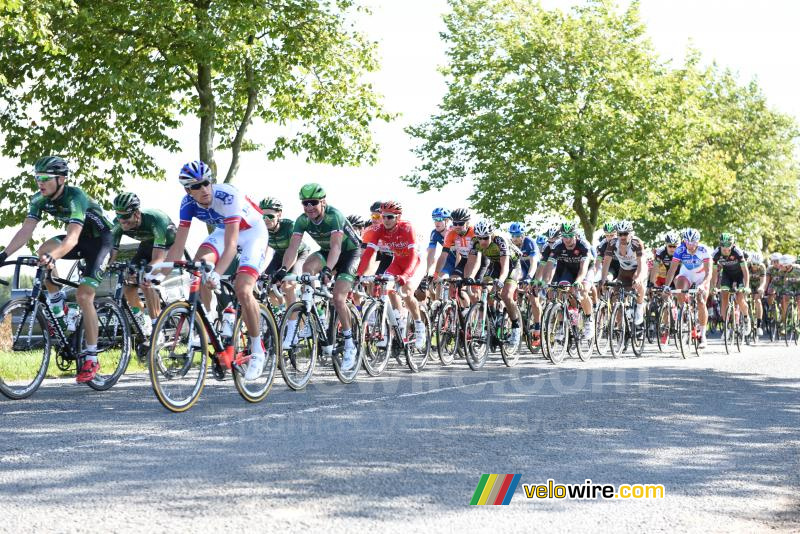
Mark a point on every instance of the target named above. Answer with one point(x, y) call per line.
point(307, 203)
point(389, 216)
point(201, 185)
point(516, 236)
point(269, 216)
point(459, 223)
point(671, 246)
point(623, 234)
point(693, 243)
point(44, 177)
point(438, 219)
point(125, 216)
point(568, 237)
point(484, 238)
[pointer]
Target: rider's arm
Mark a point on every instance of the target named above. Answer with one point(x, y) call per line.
point(504, 261)
point(69, 241)
point(671, 273)
point(366, 256)
point(336, 249)
point(290, 256)
point(708, 271)
point(714, 276)
point(22, 236)
point(471, 268)
point(584, 268)
point(746, 274)
point(159, 255)
point(431, 259)
point(606, 264)
point(176, 250)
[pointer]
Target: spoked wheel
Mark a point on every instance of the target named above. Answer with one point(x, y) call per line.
point(548, 310)
point(476, 336)
point(508, 350)
point(347, 375)
point(790, 325)
point(752, 339)
point(377, 337)
point(664, 326)
point(773, 322)
point(602, 334)
point(617, 329)
point(685, 331)
point(638, 336)
point(113, 344)
point(585, 344)
point(729, 329)
point(447, 333)
point(24, 349)
point(558, 332)
point(299, 342)
point(257, 389)
point(651, 322)
point(178, 366)
point(416, 357)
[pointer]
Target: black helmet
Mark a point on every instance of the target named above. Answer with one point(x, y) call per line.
point(51, 165)
point(375, 207)
point(357, 221)
point(460, 214)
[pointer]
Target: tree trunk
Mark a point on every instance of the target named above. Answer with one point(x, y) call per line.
point(252, 95)
point(208, 110)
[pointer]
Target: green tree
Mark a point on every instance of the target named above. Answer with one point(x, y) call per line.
point(104, 82)
point(565, 112)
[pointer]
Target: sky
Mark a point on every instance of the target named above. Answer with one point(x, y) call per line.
point(756, 39)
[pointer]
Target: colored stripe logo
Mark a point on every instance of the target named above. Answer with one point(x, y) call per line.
point(495, 489)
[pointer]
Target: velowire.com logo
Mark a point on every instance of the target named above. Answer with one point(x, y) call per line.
point(495, 489)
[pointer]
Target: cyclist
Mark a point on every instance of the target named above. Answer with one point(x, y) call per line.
point(553, 237)
point(441, 226)
point(239, 226)
point(568, 262)
point(693, 259)
point(790, 284)
point(609, 233)
point(384, 256)
point(662, 259)
point(280, 234)
point(503, 258)
point(529, 262)
point(628, 250)
point(758, 281)
point(732, 261)
point(459, 239)
point(155, 232)
point(338, 255)
point(406, 267)
point(88, 238)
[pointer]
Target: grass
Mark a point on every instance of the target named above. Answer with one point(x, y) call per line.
point(23, 365)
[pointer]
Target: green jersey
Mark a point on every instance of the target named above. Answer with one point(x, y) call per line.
point(333, 221)
point(497, 248)
point(280, 237)
point(73, 206)
point(156, 228)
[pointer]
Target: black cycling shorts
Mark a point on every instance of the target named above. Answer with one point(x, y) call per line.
point(347, 266)
point(731, 280)
point(94, 251)
point(277, 262)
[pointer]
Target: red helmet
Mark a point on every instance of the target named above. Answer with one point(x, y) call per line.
point(391, 206)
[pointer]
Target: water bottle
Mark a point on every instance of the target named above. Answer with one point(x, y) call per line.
point(228, 318)
point(73, 312)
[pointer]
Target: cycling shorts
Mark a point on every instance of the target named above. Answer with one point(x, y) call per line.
point(252, 246)
point(94, 251)
point(277, 262)
point(695, 277)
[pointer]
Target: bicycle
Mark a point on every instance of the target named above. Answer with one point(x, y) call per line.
point(686, 333)
point(384, 337)
point(524, 293)
point(488, 327)
point(622, 327)
point(178, 366)
point(733, 327)
point(666, 320)
point(602, 321)
point(30, 331)
point(791, 324)
point(317, 335)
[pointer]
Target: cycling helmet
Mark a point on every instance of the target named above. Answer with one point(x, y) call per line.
point(671, 238)
point(567, 230)
point(392, 206)
point(624, 226)
point(126, 203)
point(609, 228)
point(375, 207)
point(195, 172)
point(787, 259)
point(460, 214)
point(755, 258)
point(312, 191)
point(483, 228)
point(271, 203)
point(691, 235)
point(440, 213)
point(51, 165)
point(516, 229)
point(357, 221)
point(541, 240)
point(775, 256)
point(554, 233)
point(726, 239)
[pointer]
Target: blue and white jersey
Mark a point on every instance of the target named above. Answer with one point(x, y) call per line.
point(438, 239)
point(692, 262)
point(529, 249)
point(228, 205)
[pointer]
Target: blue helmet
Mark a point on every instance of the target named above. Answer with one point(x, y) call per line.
point(541, 240)
point(440, 213)
point(195, 172)
point(516, 229)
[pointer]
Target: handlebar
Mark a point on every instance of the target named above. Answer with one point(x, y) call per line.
point(183, 265)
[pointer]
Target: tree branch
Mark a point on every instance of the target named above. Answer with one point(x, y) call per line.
point(252, 95)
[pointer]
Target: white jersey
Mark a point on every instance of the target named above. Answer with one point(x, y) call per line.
point(228, 205)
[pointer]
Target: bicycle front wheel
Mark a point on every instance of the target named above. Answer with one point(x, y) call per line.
point(617, 329)
point(685, 332)
point(255, 390)
point(376, 339)
point(178, 364)
point(664, 326)
point(348, 375)
point(447, 332)
point(299, 339)
point(415, 357)
point(24, 349)
point(113, 344)
point(476, 336)
point(602, 337)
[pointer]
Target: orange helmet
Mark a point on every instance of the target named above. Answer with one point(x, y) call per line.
point(391, 206)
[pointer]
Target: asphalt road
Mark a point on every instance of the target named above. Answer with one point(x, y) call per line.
point(404, 453)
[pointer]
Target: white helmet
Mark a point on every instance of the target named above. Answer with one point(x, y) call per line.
point(787, 259)
point(775, 256)
point(755, 258)
point(483, 228)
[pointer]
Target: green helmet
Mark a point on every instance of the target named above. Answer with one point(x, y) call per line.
point(609, 228)
point(726, 239)
point(271, 203)
point(567, 230)
point(51, 165)
point(126, 203)
point(312, 192)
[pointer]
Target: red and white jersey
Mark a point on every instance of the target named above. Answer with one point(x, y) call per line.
point(400, 240)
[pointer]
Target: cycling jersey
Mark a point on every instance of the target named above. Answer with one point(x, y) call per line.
point(74, 206)
point(383, 250)
point(627, 256)
point(437, 238)
point(662, 260)
point(401, 241)
point(696, 261)
point(156, 230)
point(462, 244)
point(332, 222)
point(757, 273)
point(498, 247)
point(228, 205)
point(730, 263)
point(530, 256)
point(570, 259)
point(547, 249)
point(281, 236)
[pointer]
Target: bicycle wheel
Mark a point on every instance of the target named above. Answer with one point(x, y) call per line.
point(789, 325)
point(255, 390)
point(476, 336)
point(737, 328)
point(616, 329)
point(418, 358)
point(685, 330)
point(773, 322)
point(447, 331)
point(558, 332)
point(113, 344)
point(297, 362)
point(509, 351)
point(178, 366)
point(545, 321)
point(24, 348)
point(664, 326)
point(585, 345)
point(729, 327)
point(347, 376)
point(602, 335)
point(651, 322)
point(376, 339)
point(638, 336)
